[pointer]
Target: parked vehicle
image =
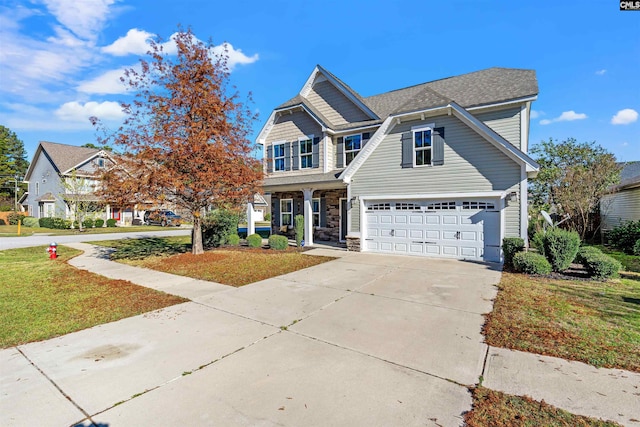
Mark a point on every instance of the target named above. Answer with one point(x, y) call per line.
point(162, 217)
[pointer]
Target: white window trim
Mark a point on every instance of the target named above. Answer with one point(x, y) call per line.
point(421, 128)
point(301, 139)
point(284, 156)
point(288, 212)
point(313, 200)
point(344, 150)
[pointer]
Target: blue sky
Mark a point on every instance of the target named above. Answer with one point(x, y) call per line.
point(60, 59)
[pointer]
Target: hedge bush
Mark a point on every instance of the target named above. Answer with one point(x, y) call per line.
point(299, 226)
point(30, 221)
point(56, 223)
point(111, 222)
point(233, 240)
point(625, 236)
point(510, 247)
point(14, 217)
point(88, 223)
point(636, 248)
point(254, 240)
point(537, 242)
point(601, 266)
point(216, 226)
point(99, 223)
point(560, 248)
point(2, 222)
point(585, 252)
point(278, 242)
point(531, 263)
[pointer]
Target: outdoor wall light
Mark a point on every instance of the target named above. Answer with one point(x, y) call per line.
point(513, 196)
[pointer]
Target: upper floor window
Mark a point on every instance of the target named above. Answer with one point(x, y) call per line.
point(352, 146)
point(306, 153)
point(278, 157)
point(422, 146)
point(100, 162)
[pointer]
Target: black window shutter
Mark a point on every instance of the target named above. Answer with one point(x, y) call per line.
point(323, 212)
point(438, 146)
point(287, 156)
point(270, 159)
point(407, 150)
point(275, 211)
point(365, 138)
point(298, 208)
point(315, 156)
point(340, 152)
point(296, 159)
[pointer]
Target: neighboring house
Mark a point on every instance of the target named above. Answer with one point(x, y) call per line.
point(623, 204)
point(53, 162)
point(436, 169)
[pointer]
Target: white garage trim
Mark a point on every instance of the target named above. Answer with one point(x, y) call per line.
point(443, 236)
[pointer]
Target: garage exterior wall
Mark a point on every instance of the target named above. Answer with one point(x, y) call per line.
point(471, 165)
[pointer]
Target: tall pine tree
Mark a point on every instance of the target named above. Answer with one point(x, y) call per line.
point(13, 165)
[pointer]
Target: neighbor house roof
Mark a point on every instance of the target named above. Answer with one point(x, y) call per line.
point(63, 156)
point(629, 175)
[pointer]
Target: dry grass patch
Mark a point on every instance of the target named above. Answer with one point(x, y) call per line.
point(42, 298)
point(592, 322)
point(232, 267)
point(492, 408)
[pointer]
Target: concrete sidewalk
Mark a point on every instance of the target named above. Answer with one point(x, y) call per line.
point(362, 340)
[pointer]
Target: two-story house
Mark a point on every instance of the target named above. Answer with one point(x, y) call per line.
point(435, 169)
point(52, 163)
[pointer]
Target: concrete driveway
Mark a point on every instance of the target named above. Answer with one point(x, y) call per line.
point(362, 340)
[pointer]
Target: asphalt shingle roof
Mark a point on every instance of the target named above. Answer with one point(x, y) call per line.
point(630, 174)
point(64, 156)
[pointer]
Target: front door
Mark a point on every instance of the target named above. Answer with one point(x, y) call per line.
point(343, 220)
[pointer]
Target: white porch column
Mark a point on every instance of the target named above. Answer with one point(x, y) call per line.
point(108, 214)
point(308, 216)
point(251, 220)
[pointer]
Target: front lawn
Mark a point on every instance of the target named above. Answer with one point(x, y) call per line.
point(12, 230)
point(42, 298)
point(493, 408)
point(592, 322)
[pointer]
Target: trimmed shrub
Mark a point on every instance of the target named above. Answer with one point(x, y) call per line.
point(267, 216)
point(46, 222)
point(299, 220)
point(510, 247)
point(99, 223)
point(2, 222)
point(254, 240)
point(537, 242)
point(560, 248)
point(531, 263)
point(636, 248)
point(30, 221)
point(278, 242)
point(14, 217)
point(601, 266)
point(233, 240)
point(88, 223)
point(216, 226)
point(585, 252)
point(111, 222)
point(625, 236)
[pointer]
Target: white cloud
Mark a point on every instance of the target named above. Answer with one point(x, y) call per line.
point(135, 42)
point(75, 111)
point(624, 117)
point(108, 83)
point(24, 117)
point(235, 56)
point(601, 72)
point(535, 114)
point(567, 116)
point(84, 18)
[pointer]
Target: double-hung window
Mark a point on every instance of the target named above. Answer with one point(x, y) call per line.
point(422, 143)
point(352, 146)
point(286, 212)
point(306, 153)
point(278, 157)
point(315, 204)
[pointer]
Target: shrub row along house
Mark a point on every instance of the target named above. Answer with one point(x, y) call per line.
point(436, 169)
point(62, 174)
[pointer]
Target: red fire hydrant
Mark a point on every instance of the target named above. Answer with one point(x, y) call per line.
point(53, 250)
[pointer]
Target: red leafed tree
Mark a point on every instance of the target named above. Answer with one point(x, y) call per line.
point(185, 137)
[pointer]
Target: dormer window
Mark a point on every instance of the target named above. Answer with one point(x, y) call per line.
point(100, 162)
point(352, 146)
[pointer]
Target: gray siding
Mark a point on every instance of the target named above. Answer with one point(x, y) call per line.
point(290, 127)
point(48, 180)
point(620, 207)
point(471, 164)
point(504, 122)
point(333, 105)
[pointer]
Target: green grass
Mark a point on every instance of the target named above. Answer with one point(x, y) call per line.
point(42, 298)
point(12, 230)
point(493, 408)
point(592, 322)
point(148, 246)
point(629, 262)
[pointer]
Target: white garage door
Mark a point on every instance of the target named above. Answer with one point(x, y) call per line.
point(463, 229)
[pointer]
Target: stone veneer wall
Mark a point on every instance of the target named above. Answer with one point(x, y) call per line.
point(332, 201)
point(353, 244)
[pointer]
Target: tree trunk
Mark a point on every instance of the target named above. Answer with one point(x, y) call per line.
point(196, 234)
